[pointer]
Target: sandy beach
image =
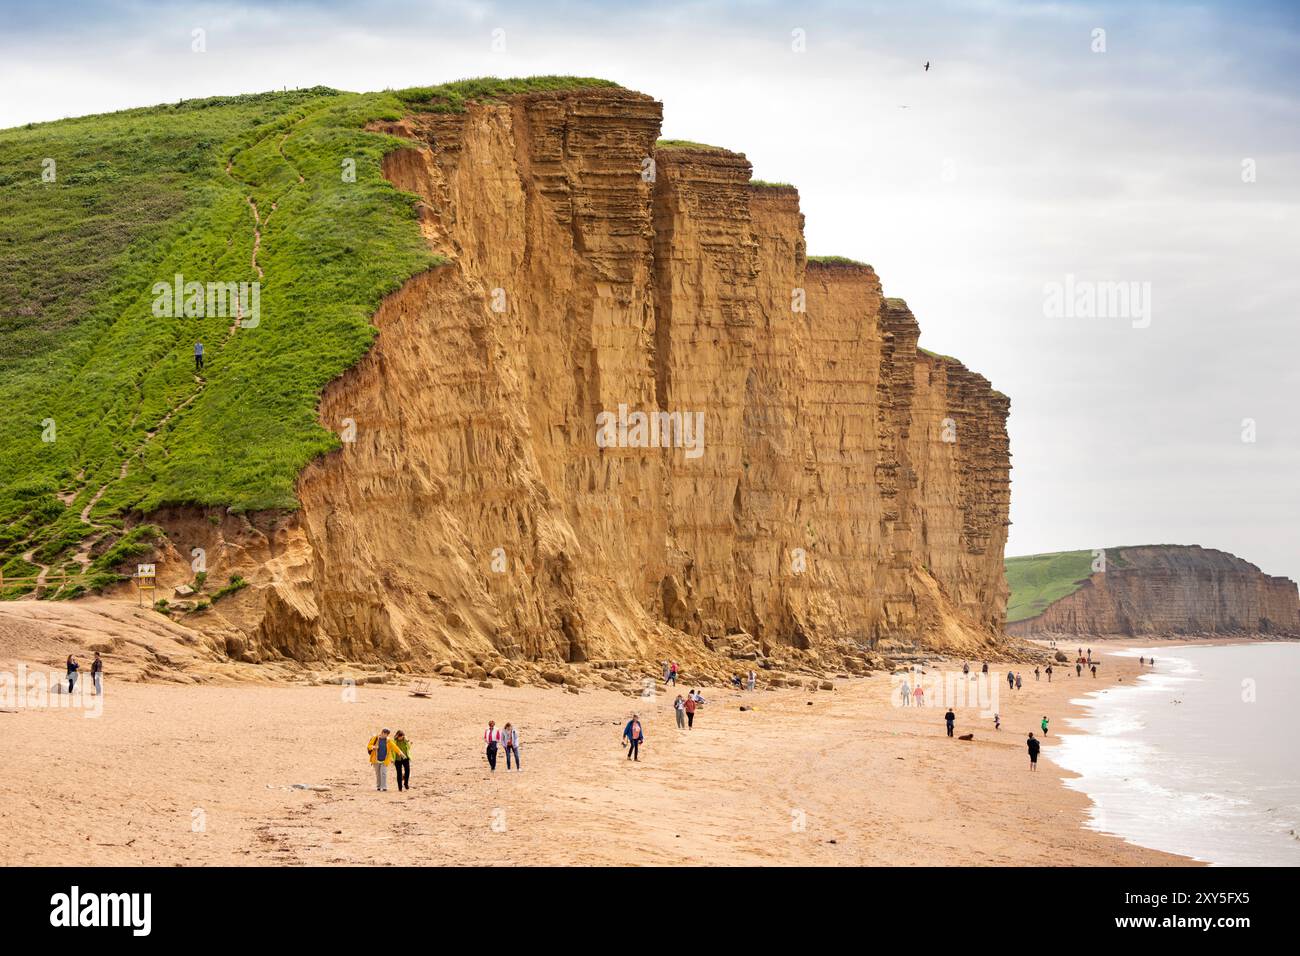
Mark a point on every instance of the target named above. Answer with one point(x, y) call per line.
point(202, 774)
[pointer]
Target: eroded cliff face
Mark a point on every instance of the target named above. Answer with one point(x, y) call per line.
point(1168, 590)
point(804, 474)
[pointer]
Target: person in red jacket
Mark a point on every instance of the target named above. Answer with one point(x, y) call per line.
point(492, 738)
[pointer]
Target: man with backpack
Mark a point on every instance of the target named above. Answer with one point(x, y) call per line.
point(382, 754)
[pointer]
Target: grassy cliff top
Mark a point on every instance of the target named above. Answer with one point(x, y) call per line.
point(937, 355)
point(99, 215)
point(837, 261)
point(452, 97)
point(687, 144)
point(1037, 580)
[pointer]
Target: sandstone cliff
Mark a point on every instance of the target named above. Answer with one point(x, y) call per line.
point(817, 481)
point(1169, 590)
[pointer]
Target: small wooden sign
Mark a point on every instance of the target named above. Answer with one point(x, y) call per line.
point(146, 578)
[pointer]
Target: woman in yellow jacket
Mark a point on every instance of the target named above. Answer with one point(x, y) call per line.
point(383, 752)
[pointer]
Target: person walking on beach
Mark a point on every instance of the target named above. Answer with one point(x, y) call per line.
point(381, 752)
point(635, 737)
point(198, 357)
point(73, 667)
point(1018, 682)
point(689, 707)
point(1090, 655)
point(492, 738)
point(1036, 672)
point(949, 719)
point(1048, 670)
point(918, 694)
point(1044, 725)
point(1094, 671)
point(753, 680)
point(97, 674)
point(907, 694)
point(1142, 661)
point(510, 739)
point(672, 673)
point(402, 760)
point(1033, 746)
point(997, 721)
point(1011, 681)
point(668, 672)
point(679, 708)
point(1152, 662)
point(965, 668)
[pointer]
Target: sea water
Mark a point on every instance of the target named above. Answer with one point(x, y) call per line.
point(1201, 756)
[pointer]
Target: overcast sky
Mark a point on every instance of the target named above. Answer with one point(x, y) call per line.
point(1025, 155)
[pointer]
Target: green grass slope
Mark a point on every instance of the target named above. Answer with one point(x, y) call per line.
point(1037, 580)
point(103, 412)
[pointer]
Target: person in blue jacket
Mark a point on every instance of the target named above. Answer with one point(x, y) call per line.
point(635, 737)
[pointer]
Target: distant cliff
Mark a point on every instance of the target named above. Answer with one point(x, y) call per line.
point(1159, 590)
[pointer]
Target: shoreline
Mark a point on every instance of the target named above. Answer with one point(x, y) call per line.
point(803, 778)
point(1129, 807)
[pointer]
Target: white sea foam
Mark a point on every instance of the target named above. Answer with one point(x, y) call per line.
point(1186, 760)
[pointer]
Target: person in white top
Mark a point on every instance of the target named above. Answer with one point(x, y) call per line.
point(510, 739)
point(492, 737)
point(753, 680)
